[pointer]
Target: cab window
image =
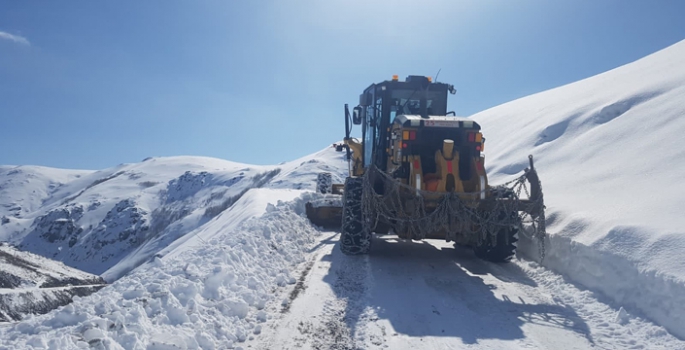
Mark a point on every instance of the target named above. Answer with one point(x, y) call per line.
point(369, 134)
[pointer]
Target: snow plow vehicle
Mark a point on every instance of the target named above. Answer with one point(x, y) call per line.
point(419, 172)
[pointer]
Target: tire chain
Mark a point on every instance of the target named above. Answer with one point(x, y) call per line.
point(452, 213)
point(324, 183)
point(356, 234)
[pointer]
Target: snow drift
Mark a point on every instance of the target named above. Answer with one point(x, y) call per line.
point(212, 296)
point(610, 151)
point(213, 286)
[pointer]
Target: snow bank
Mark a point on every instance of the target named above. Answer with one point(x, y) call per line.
point(610, 151)
point(208, 293)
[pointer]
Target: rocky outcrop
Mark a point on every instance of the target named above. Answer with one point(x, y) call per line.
point(124, 227)
point(58, 234)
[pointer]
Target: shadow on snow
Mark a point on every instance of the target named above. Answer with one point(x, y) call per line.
point(423, 290)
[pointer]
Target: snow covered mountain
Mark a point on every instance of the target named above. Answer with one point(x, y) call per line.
point(209, 254)
point(107, 222)
point(32, 284)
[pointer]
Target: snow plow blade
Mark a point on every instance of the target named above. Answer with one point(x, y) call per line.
point(533, 205)
point(328, 217)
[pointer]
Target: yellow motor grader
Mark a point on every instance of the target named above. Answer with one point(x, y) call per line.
point(419, 172)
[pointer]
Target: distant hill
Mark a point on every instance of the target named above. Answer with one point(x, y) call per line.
point(32, 284)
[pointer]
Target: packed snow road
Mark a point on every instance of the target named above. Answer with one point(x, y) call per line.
point(430, 295)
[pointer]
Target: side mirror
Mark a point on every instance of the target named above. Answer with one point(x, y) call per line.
point(357, 115)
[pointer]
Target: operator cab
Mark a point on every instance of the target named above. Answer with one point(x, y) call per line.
point(380, 104)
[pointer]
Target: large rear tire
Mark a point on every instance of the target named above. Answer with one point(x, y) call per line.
point(355, 237)
point(504, 249)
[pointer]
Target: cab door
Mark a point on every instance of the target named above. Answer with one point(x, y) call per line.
point(368, 127)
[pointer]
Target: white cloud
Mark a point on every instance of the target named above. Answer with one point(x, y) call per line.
point(16, 38)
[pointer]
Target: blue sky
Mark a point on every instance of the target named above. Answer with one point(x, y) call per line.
point(91, 84)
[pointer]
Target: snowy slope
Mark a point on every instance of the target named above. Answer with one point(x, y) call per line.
point(610, 151)
point(23, 191)
point(210, 288)
point(107, 222)
point(32, 284)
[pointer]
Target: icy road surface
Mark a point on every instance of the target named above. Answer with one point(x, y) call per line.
point(430, 295)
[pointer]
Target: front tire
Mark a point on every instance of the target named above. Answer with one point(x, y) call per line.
point(324, 183)
point(355, 237)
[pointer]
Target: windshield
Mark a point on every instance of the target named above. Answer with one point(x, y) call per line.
point(409, 101)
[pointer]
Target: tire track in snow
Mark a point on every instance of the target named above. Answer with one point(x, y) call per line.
point(343, 315)
point(326, 305)
point(429, 295)
point(299, 286)
point(337, 322)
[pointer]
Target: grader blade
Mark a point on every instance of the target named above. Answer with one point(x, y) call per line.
point(328, 217)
